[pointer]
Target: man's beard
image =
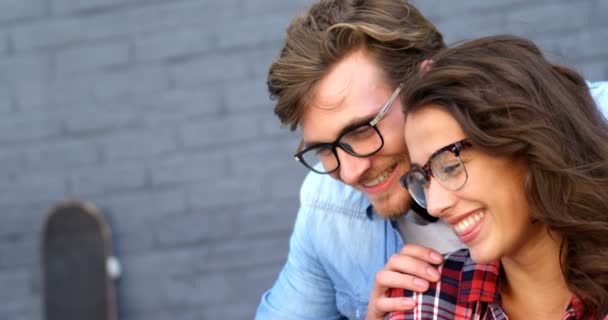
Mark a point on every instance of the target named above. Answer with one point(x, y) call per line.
point(391, 205)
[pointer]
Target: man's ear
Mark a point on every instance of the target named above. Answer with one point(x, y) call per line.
point(426, 65)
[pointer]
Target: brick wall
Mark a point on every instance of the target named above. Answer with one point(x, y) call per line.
point(157, 112)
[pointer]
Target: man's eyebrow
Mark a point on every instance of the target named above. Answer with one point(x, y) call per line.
point(353, 123)
point(356, 122)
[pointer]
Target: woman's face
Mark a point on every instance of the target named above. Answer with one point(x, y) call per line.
point(489, 212)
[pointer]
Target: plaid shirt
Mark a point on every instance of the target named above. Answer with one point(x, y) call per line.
point(466, 291)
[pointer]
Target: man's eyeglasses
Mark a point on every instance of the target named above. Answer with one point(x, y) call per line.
point(444, 165)
point(362, 140)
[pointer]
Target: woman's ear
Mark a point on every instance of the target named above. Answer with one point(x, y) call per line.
point(426, 65)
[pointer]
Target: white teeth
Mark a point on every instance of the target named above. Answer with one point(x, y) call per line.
point(379, 178)
point(466, 223)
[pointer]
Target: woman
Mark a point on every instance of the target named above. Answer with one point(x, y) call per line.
point(511, 151)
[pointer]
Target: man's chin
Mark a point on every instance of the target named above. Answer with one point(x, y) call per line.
point(391, 206)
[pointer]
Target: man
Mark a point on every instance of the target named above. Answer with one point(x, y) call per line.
point(337, 78)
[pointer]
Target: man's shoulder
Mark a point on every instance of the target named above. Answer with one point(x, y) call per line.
point(461, 260)
point(323, 190)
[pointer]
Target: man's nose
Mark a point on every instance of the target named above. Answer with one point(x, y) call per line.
point(351, 167)
point(438, 198)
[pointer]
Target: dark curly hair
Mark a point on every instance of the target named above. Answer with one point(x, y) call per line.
point(510, 101)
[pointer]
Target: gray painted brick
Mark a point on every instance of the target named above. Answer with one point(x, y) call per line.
point(137, 144)
point(4, 42)
point(188, 167)
point(188, 229)
point(263, 159)
point(263, 163)
point(272, 128)
point(180, 287)
point(598, 16)
point(575, 47)
point(236, 255)
point(185, 313)
point(130, 82)
point(34, 95)
point(19, 283)
point(263, 7)
point(59, 31)
point(28, 314)
point(19, 9)
point(26, 76)
point(236, 310)
point(63, 154)
point(257, 219)
point(180, 261)
point(180, 291)
point(263, 58)
point(234, 280)
point(224, 192)
point(33, 189)
point(132, 215)
point(594, 40)
point(253, 31)
point(168, 14)
point(92, 57)
point(287, 185)
point(137, 240)
point(545, 17)
point(459, 28)
point(106, 179)
point(99, 86)
point(212, 69)
point(175, 107)
point(74, 90)
point(173, 44)
point(69, 6)
point(11, 161)
point(18, 251)
point(6, 101)
point(38, 127)
point(247, 95)
point(224, 131)
point(594, 70)
point(76, 121)
point(556, 47)
point(146, 277)
point(437, 10)
point(21, 219)
point(128, 209)
point(54, 32)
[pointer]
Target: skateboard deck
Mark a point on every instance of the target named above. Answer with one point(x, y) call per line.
point(76, 253)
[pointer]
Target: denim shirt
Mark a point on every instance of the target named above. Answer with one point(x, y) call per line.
point(337, 246)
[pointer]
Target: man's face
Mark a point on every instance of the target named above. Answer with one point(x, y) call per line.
point(354, 91)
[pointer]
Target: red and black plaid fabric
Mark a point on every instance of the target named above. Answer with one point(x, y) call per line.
point(467, 290)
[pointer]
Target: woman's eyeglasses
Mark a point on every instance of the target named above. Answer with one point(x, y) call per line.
point(444, 165)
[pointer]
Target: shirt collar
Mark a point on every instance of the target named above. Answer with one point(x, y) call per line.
point(479, 282)
point(575, 309)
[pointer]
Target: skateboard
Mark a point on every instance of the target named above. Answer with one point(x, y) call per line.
point(78, 267)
